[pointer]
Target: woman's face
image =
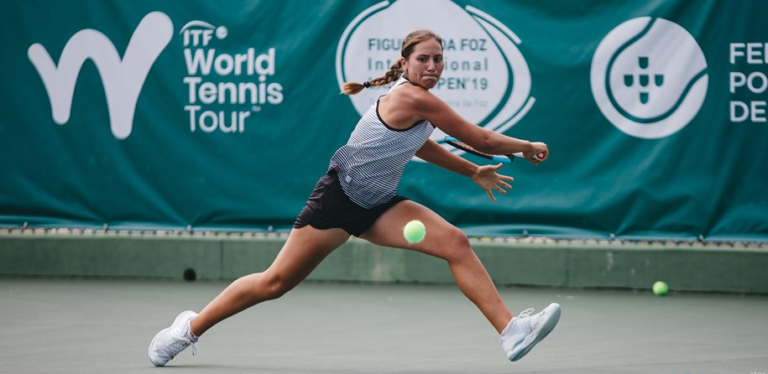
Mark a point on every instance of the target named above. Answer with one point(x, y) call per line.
point(425, 64)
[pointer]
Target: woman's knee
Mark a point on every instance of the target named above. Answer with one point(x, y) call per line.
point(454, 245)
point(275, 286)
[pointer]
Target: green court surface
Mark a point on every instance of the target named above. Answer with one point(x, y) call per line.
point(69, 325)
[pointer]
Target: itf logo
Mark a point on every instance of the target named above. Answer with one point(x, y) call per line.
point(649, 77)
point(225, 88)
point(123, 79)
point(485, 79)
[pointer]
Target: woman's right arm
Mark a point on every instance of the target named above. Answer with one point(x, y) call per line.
point(430, 107)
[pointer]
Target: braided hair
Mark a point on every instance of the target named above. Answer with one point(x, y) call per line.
point(396, 70)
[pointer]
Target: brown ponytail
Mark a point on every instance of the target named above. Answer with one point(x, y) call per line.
point(394, 73)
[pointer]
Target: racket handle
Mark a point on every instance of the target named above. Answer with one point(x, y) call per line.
point(539, 156)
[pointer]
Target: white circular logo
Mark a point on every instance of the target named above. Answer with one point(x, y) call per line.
point(222, 32)
point(649, 77)
point(485, 79)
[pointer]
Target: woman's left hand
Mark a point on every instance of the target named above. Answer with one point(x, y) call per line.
point(487, 178)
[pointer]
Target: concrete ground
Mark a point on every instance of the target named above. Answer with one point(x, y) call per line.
point(104, 326)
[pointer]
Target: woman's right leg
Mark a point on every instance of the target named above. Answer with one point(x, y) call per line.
point(303, 251)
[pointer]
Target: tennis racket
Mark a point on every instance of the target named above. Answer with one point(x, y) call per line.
point(456, 143)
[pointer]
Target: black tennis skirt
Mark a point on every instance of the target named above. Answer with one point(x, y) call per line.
point(329, 207)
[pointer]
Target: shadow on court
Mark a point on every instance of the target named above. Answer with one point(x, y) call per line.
point(100, 326)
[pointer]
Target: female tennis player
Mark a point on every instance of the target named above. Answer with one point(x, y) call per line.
point(357, 196)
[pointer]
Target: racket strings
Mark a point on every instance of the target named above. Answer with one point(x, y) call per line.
point(468, 148)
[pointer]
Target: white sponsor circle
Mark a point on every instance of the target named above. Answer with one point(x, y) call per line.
point(649, 77)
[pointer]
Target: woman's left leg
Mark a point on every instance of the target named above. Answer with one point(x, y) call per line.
point(445, 241)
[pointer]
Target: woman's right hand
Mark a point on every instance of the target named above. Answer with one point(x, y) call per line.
point(539, 153)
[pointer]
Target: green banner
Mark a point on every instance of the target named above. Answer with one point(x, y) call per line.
point(198, 114)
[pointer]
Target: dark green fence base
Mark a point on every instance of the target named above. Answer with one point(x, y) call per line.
point(693, 266)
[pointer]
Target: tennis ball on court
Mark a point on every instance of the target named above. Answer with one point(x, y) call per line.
point(660, 288)
point(414, 231)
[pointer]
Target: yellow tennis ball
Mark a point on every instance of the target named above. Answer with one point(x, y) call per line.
point(414, 231)
point(660, 288)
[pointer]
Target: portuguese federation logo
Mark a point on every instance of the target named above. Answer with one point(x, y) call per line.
point(649, 77)
point(485, 79)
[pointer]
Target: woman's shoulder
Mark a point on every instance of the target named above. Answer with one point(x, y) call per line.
point(411, 95)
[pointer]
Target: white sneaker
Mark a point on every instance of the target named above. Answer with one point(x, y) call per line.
point(525, 331)
point(171, 341)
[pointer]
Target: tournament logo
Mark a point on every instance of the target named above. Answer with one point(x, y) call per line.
point(649, 77)
point(485, 79)
point(123, 78)
point(223, 89)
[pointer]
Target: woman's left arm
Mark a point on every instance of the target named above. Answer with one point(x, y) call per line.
point(437, 155)
point(485, 176)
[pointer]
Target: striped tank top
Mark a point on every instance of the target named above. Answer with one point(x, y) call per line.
point(371, 163)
